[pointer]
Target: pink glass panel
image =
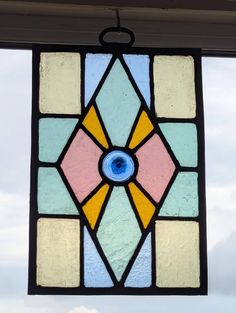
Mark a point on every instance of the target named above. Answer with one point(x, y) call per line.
point(155, 167)
point(80, 165)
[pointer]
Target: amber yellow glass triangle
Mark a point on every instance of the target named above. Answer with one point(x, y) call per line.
point(91, 122)
point(144, 207)
point(93, 206)
point(142, 129)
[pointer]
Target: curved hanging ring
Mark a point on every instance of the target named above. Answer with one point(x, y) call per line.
point(116, 30)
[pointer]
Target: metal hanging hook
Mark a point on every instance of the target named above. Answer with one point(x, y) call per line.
point(118, 20)
point(118, 29)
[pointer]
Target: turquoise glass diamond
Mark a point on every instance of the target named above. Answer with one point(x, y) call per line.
point(119, 232)
point(116, 100)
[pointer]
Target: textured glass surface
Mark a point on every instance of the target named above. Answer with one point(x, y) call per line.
point(53, 196)
point(92, 208)
point(144, 206)
point(119, 231)
point(174, 87)
point(93, 125)
point(53, 135)
point(177, 254)
point(141, 272)
point(139, 68)
point(182, 137)
point(80, 165)
point(116, 101)
point(155, 167)
point(117, 171)
point(59, 90)
point(182, 199)
point(95, 66)
point(58, 252)
point(141, 131)
point(95, 272)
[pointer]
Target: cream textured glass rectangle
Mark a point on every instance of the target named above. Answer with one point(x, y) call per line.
point(177, 254)
point(58, 252)
point(174, 86)
point(60, 81)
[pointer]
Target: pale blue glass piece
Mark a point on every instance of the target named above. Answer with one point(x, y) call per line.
point(139, 68)
point(95, 272)
point(118, 104)
point(182, 138)
point(95, 66)
point(140, 275)
point(119, 232)
point(53, 135)
point(53, 197)
point(118, 166)
point(182, 199)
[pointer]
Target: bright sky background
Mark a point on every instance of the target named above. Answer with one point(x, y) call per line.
point(219, 78)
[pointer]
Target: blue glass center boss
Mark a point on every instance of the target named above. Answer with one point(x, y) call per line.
point(118, 166)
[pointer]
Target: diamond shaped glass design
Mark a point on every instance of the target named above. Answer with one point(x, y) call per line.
point(123, 190)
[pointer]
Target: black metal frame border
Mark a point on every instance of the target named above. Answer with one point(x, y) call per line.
point(35, 163)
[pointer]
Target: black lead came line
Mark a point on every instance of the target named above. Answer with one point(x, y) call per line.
point(118, 289)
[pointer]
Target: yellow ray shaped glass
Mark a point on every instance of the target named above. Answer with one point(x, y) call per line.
point(142, 129)
point(144, 207)
point(92, 123)
point(93, 206)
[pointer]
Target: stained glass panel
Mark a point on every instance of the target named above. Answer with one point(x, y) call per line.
point(117, 175)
